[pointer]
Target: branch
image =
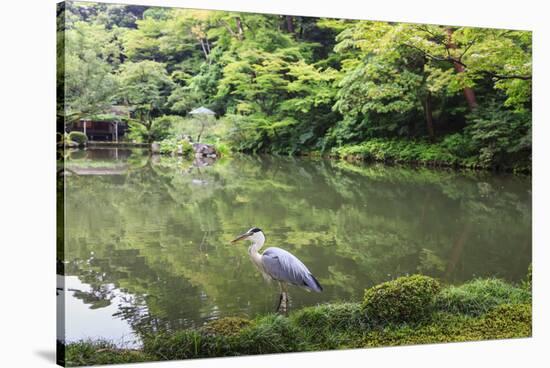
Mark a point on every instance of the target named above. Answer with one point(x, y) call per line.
point(470, 44)
point(437, 58)
point(511, 76)
point(228, 27)
point(425, 29)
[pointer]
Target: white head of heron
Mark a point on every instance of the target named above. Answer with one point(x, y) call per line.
point(255, 235)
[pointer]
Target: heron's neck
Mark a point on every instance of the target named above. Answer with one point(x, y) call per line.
point(257, 244)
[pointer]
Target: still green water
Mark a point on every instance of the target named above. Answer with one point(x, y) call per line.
point(147, 239)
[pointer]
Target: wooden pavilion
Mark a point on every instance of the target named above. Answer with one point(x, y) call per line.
point(111, 126)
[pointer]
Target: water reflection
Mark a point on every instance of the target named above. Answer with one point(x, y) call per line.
point(159, 230)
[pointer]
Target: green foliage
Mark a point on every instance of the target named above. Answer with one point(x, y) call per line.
point(144, 85)
point(180, 147)
point(399, 151)
point(326, 84)
point(151, 130)
point(458, 145)
point(78, 137)
point(479, 296)
point(85, 69)
point(403, 300)
point(502, 137)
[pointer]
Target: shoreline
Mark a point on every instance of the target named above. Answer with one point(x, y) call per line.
point(352, 154)
point(481, 309)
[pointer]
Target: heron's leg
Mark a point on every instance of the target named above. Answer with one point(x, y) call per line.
point(283, 307)
point(277, 310)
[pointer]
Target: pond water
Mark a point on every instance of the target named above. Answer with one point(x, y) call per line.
point(147, 238)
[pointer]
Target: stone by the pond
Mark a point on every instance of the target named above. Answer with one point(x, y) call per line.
point(155, 147)
point(204, 150)
point(71, 144)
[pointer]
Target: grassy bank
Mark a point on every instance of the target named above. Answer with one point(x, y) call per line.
point(408, 310)
point(447, 153)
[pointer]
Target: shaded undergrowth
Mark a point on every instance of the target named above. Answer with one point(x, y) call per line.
point(424, 153)
point(408, 310)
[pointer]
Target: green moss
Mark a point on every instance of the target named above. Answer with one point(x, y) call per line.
point(405, 299)
point(102, 352)
point(506, 321)
point(228, 326)
point(479, 296)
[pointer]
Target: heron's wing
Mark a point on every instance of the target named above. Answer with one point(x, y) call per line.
point(283, 266)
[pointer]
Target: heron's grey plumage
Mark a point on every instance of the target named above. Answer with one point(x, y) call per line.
point(284, 266)
point(279, 265)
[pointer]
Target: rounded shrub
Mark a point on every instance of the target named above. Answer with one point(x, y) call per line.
point(186, 148)
point(78, 137)
point(227, 326)
point(405, 299)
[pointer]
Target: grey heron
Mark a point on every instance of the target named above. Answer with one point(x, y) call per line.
point(279, 265)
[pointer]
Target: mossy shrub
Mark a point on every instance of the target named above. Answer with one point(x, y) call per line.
point(227, 326)
point(510, 320)
point(480, 296)
point(504, 321)
point(173, 146)
point(186, 148)
point(403, 300)
point(78, 137)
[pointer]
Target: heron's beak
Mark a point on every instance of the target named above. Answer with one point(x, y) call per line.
point(240, 237)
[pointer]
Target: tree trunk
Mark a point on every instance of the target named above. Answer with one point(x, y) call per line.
point(429, 115)
point(469, 93)
point(203, 48)
point(240, 32)
point(200, 133)
point(289, 24)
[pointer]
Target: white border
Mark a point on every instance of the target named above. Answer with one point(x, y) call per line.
point(27, 227)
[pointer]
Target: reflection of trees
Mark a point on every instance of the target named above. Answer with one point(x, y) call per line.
point(162, 230)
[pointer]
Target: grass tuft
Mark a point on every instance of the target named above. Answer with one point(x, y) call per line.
point(87, 352)
point(479, 296)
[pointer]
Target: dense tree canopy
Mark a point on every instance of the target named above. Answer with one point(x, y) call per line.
point(290, 84)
